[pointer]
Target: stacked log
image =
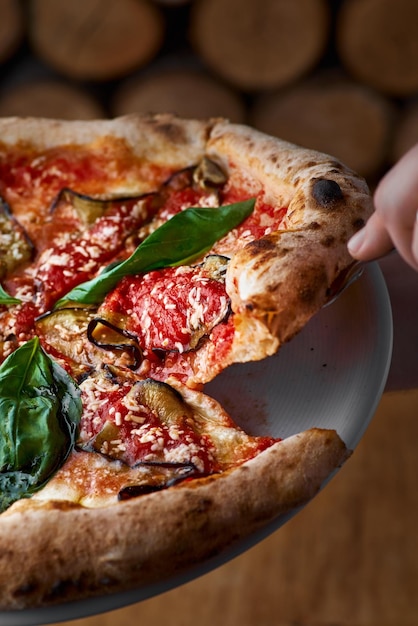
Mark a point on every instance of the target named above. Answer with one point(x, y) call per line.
point(406, 133)
point(49, 98)
point(11, 28)
point(95, 39)
point(180, 90)
point(378, 44)
point(337, 75)
point(332, 114)
point(257, 44)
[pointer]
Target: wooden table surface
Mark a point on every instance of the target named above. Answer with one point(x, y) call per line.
point(350, 558)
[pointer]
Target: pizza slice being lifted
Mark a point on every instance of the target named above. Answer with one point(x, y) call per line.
point(142, 256)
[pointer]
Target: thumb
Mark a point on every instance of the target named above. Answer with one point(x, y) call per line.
point(372, 241)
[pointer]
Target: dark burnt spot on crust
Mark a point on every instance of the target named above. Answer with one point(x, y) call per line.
point(264, 250)
point(326, 192)
point(314, 226)
point(63, 588)
point(273, 287)
point(173, 132)
point(26, 590)
point(358, 223)
point(60, 589)
point(311, 283)
point(328, 242)
point(261, 246)
point(337, 167)
point(307, 294)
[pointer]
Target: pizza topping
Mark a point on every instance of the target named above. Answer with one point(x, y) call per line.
point(64, 265)
point(141, 420)
point(40, 408)
point(63, 334)
point(144, 318)
point(175, 473)
point(6, 299)
point(90, 209)
point(209, 175)
point(169, 310)
point(180, 240)
point(15, 246)
point(107, 336)
point(326, 192)
point(162, 432)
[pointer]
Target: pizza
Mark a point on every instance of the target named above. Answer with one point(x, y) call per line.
point(140, 257)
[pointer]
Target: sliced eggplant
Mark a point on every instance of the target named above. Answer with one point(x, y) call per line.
point(90, 209)
point(171, 475)
point(215, 266)
point(65, 330)
point(208, 175)
point(152, 398)
point(161, 399)
point(15, 245)
point(108, 336)
point(108, 331)
point(103, 442)
point(179, 180)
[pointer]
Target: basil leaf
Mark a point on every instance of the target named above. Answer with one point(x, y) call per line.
point(40, 409)
point(180, 240)
point(6, 299)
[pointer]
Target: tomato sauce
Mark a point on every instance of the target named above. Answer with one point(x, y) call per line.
point(138, 434)
point(169, 309)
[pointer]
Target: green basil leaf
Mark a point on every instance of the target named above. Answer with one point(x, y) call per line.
point(6, 299)
point(40, 409)
point(185, 237)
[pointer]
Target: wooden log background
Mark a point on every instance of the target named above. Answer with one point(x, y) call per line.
point(337, 75)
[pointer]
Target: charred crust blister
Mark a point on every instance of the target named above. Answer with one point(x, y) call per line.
point(172, 132)
point(326, 192)
point(358, 223)
point(328, 241)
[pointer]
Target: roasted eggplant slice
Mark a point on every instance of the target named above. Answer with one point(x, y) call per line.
point(170, 474)
point(78, 335)
point(104, 440)
point(65, 330)
point(107, 336)
point(88, 208)
point(161, 399)
point(215, 266)
point(15, 245)
point(209, 175)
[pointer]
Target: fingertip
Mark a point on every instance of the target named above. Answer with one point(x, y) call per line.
point(355, 244)
point(371, 242)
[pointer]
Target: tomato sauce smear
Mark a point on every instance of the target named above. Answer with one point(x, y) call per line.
point(171, 312)
point(124, 429)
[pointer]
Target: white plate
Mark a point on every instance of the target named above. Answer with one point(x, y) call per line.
point(331, 375)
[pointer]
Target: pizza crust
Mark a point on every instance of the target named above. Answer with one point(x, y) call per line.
point(284, 278)
point(164, 139)
point(159, 536)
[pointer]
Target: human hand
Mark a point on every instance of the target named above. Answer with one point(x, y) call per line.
point(394, 222)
